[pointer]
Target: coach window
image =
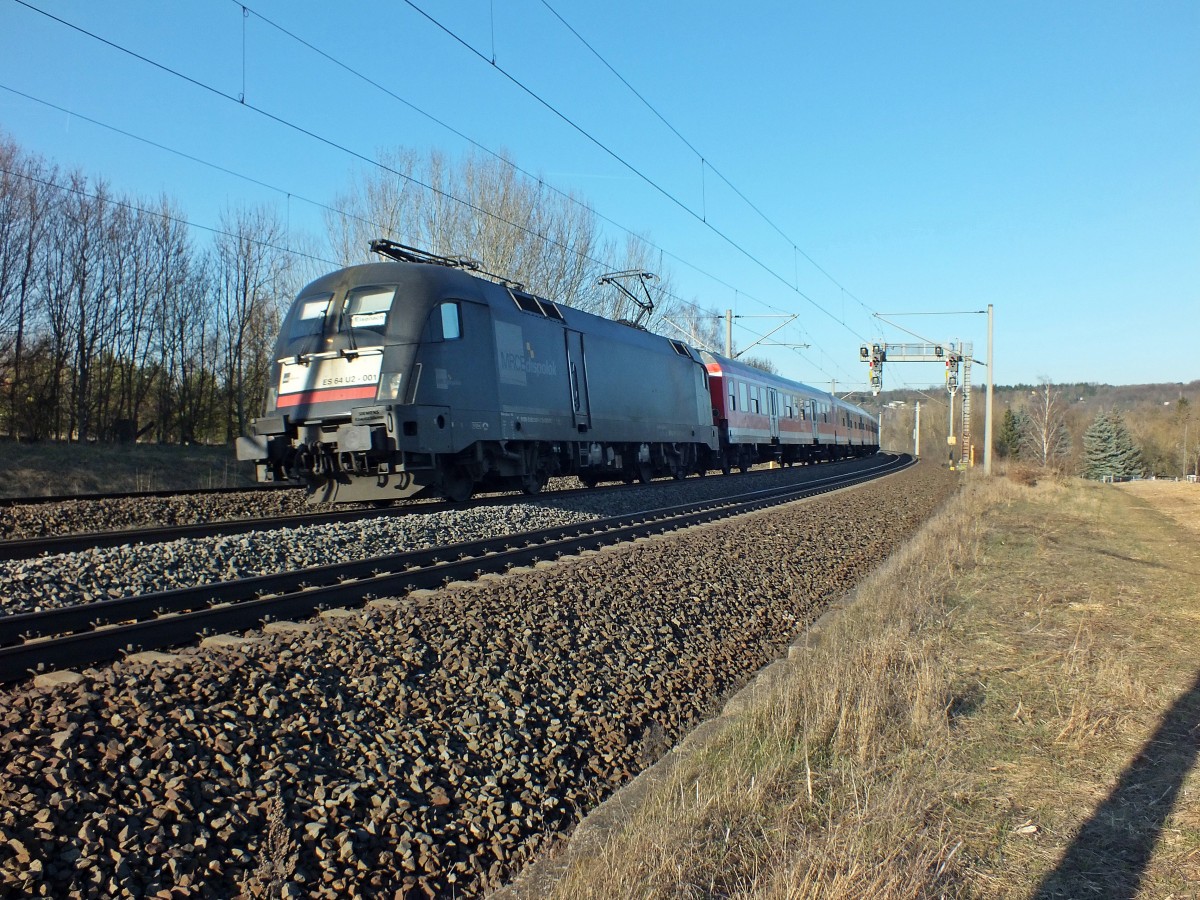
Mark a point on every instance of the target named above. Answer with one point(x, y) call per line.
point(742, 395)
point(451, 321)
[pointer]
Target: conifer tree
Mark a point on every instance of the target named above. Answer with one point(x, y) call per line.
point(1108, 449)
point(1012, 426)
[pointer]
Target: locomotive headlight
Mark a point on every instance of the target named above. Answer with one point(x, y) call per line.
point(389, 387)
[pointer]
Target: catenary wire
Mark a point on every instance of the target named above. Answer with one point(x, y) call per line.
point(162, 214)
point(284, 192)
point(460, 134)
point(657, 187)
point(476, 144)
point(335, 145)
point(705, 161)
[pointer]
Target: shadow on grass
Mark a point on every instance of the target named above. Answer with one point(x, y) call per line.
point(1109, 855)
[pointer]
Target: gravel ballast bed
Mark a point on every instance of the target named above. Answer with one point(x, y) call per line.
point(24, 521)
point(432, 747)
point(69, 579)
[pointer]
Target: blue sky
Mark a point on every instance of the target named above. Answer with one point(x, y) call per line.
point(927, 157)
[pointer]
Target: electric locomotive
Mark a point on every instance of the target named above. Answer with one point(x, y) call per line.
point(422, 376)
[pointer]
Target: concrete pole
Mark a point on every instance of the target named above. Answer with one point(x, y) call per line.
point(987, 416)
point(917, 431)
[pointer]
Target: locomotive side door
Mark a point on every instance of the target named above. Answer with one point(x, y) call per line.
point(577, 381)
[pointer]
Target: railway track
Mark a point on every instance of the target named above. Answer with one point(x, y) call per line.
point(30, 548)
point(73, 543)
point(88, 634)
point(6, 502)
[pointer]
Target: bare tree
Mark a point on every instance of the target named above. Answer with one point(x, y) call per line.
point(515, 226)
point(1045, 439)
point(484, 209)
point(26, 208)
point(251, 284)
point(695, 325)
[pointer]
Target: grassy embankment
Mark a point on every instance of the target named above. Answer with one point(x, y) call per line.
point(52, 468)
point(1010, 709)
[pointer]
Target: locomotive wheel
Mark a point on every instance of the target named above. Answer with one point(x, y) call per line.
point(457, 485)
point(533, 483)
point(589, 481)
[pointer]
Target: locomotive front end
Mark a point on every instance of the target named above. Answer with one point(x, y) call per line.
point(340, 414)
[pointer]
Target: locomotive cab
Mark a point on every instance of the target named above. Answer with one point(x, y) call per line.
point(343, 411)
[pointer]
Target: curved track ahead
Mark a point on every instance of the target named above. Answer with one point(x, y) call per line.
point(84, 635)
point(29, 548)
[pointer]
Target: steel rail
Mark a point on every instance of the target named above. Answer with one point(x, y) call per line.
point(29, 548)
point(39, 500)
point(88, 634)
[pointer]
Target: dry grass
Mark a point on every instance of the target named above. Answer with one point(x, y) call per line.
point(952, 732)
point(1023, 474)
point(1080, 631)
point(1178, 499)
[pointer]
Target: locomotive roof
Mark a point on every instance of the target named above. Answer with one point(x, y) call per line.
point(434, 278)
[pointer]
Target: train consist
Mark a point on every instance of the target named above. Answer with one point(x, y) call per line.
point(416, 376)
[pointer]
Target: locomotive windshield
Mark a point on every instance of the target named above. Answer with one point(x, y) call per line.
point(310, 316)
point(367, 308)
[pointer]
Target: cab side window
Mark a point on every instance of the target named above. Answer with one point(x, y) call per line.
point(444, 323)
point(451, 321)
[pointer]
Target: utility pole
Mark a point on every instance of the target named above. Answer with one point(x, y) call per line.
point(917, 431)
point(729, 317)
point(987, 415)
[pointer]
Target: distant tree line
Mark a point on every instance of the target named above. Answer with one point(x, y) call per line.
point(1097, 431)
point(1154, 437)
point(116, 324)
